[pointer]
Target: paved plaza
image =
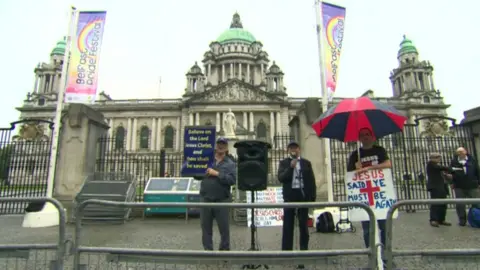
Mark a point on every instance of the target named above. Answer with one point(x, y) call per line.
point(411, 231)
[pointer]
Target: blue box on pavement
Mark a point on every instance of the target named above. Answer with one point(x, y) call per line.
point(171, 189)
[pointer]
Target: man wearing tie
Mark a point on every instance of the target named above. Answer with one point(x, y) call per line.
point(298, 185)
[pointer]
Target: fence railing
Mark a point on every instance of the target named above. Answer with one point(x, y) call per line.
point(186, 257)
point(442, 255)
point(21, 252)
point(24, 256)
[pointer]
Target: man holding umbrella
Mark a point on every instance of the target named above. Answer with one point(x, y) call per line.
point(372, 157)
point(362, 120)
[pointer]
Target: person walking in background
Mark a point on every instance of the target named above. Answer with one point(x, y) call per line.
point(215, 188)
point(465, 177)
point(298, 185)
point(438, 188)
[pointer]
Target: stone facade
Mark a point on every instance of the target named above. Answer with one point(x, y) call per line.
point(236, 74)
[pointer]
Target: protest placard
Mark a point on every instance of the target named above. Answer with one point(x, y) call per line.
point(269, 216)
point(198, 150)
point(374, 188)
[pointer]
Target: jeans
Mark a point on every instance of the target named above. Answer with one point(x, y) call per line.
point(366, 232)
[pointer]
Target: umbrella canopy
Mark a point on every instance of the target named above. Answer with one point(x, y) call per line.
point(344, 121)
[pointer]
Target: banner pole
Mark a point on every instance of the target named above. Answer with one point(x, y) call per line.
point(49, 216)
point(323, 85)
point(60, 101)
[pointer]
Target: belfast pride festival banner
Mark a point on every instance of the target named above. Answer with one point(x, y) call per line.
point(198, 150)
point(82, 75)
point(374, 188)
point(333, 18)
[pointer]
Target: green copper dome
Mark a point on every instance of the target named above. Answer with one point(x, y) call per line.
point(406, 46)
point(236, 32)
point(59, 48)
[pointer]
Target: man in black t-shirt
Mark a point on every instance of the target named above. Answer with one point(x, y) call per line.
point(372, 157)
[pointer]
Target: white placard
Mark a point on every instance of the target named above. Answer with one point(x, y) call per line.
point(374, 188)
point(270, 216)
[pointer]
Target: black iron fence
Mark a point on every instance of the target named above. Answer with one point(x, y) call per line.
point(147, 164)
point(25, 149)
point(409, 152)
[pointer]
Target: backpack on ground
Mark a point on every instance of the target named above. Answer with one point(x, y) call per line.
point(325, 223)
point(473, 217)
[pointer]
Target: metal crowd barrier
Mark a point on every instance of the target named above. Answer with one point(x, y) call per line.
point(25, 256)
point(122, 256)
point(459, 256)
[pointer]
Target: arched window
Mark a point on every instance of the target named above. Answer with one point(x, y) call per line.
point(144, 137)
point(169, 135)
point(208, 123)
point(119, 138)
point(426, 99)
point(261, 131)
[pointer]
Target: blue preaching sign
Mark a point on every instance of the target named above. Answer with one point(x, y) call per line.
point(198, 150)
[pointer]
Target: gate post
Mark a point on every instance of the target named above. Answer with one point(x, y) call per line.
point(163, 160)
point(77, 151)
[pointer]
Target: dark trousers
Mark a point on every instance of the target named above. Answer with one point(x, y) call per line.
point(438, 212)
point(366, 231)
point(461, 193)
point(222, 216)
point(289, 223)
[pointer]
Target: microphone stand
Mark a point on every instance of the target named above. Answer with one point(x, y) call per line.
point(253, 232)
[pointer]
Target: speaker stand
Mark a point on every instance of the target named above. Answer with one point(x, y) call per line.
point(253, 232)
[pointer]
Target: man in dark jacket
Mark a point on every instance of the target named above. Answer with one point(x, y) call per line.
point(465, 177)
point(215, 187)
point(438, 189)
point(298, 185)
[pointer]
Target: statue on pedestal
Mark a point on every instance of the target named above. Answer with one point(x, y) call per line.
point(229, 124)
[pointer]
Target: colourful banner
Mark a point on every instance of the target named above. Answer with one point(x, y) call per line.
point(333, 18)
point(84, 58)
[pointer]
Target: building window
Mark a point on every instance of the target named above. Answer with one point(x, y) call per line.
point(144, 137)
point(261, 130)
point(208, 123)
point(169, 135)
point(426, 100)
point(119, 138)
point(41, 101)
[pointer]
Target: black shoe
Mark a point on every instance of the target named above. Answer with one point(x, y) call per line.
point(300, 266)
point(462, 223)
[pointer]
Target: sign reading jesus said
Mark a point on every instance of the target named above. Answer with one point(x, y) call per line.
point(373, 188)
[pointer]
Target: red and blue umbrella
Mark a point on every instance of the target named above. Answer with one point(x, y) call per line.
point(345, 120)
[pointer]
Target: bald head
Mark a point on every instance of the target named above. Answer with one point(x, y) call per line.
point(461, 152)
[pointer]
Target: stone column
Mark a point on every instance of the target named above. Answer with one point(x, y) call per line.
point(153, 135)
point(432, 82)
point(279, 123)
point(209, 71)
point(134, 134)
point(217, 123)
point(177, 130)
point(272, 126)
point(261, 72)
point(159, 134)
point(41, 84)
point(231, 71)
point(223, 73)
point(197, 119)
point(77, 151)
point(251, 122)
point(52, 82)
point(129, 134)
point(245, 120)
point(35, 86)
point(248, 73)
point(190, 119)
point(111, 129)
point(239, 71)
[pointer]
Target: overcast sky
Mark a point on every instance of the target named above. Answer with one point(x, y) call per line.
point(146, 39)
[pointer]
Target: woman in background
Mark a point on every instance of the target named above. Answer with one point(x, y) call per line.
point(438, 189)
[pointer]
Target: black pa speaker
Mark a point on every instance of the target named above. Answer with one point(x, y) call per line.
point(252, 157)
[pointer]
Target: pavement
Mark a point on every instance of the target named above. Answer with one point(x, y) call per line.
point(411, 231)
